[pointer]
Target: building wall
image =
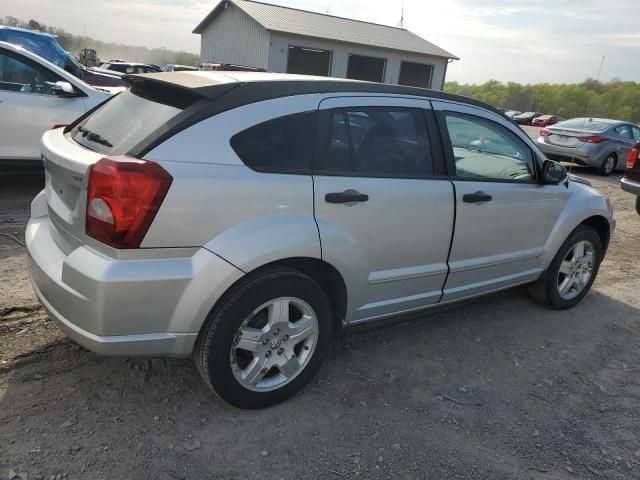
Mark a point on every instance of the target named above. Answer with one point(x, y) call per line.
point(234, 37)
point(279, 45)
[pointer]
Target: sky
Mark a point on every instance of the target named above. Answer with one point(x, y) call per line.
point(561, 41)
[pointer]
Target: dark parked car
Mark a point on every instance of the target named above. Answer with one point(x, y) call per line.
point(526, 118)
point(546, 120)
point(631, 180)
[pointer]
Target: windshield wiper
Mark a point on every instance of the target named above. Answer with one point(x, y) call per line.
point(94, 137)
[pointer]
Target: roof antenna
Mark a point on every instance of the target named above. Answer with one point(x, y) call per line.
point(586, 115)
point(328, 9)
point(401, 24)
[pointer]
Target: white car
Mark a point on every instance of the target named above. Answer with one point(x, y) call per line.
point(36, 95)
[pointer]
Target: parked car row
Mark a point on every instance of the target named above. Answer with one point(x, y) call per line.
point(595, 142)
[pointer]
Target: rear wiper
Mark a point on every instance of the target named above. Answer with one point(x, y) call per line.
point(94, 137)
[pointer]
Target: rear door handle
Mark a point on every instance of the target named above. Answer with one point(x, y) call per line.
point(348, 196)
point(476, 197)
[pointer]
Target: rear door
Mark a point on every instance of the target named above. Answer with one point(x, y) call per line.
point(29, 105)
point(502, 211)
point(382, 203)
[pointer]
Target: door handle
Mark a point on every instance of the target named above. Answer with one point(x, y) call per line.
point(347, 196)
point(477, 197)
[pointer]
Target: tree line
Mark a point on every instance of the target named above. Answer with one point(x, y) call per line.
point(105, 50)
point(615, 99)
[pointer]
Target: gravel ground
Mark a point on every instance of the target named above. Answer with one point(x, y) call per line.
point(496, 389)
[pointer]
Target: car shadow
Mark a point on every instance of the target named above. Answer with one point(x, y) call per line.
point(498, 388)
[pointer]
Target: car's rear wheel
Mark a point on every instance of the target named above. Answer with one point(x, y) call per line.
point(609, 165)
point(266, 339)
point(572, 271)
point(638, 205)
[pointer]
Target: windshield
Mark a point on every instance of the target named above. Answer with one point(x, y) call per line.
point(128, 118)
point(584, 124)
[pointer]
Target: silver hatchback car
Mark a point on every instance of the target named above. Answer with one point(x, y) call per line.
point(244, 218)
point(594, 142)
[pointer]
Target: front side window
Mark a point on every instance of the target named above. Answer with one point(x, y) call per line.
point(636, 133)
point(283, 144)
point(484, 150)
point(20, 75)
point(378, 141)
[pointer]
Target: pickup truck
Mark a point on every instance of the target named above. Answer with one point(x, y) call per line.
point(631, 180)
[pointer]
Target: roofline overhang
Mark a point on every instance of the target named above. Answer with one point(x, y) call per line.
point(222, 5)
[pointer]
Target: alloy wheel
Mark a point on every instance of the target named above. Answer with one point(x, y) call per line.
point(274, 344)
point(576, 270)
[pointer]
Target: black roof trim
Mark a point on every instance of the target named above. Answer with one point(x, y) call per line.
point(235, 94)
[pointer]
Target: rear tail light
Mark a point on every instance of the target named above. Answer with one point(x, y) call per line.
point(592, 139)
point(123, 197)
point(545, 133)
point(633, 157)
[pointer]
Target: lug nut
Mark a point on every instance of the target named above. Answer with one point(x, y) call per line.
point(267, 353)
point(285, 338)
point(306, 347)
point(276, 331)
point(280, 351)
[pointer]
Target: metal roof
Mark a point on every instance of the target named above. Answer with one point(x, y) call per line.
point(310, 24)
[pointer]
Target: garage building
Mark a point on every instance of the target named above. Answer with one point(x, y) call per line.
point(282, 39)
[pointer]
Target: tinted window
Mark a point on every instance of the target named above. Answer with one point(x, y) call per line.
point(378, 142)
point(284, 144)
point(309, 61)
point(483, 149)
point(129, 117)
point(415, 74)
point(636, 133)
point(18, 74)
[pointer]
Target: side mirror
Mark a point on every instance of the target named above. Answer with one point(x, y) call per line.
point(64, 89)
point(553, 172)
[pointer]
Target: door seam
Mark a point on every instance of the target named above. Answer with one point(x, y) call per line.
point(453, 232)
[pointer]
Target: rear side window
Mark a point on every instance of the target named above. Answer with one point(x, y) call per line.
point(128, 118)
point(283, 145)
point(378, 141)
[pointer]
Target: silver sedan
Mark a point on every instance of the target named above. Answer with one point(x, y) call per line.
point(594, 142)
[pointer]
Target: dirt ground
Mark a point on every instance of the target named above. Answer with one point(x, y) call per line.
point(496, 389)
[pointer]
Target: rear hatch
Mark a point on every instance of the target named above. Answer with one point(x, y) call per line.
point(114, 129)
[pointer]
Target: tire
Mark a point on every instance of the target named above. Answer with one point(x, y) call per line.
point(237, 375)
point(609, 165)
point(638, 205)
point(546, 290)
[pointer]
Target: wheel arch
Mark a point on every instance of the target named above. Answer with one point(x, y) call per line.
point(601, 225)
point(320, 271)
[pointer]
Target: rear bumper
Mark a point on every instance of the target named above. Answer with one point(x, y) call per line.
point(581, 155)
point(133, 307)
point(630, 186)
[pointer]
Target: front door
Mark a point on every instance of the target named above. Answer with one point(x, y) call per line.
point(29, 106)
point(502, 211)
point(384, 216)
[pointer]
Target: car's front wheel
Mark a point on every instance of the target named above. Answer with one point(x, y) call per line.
point(572, 271)
point(266, 339)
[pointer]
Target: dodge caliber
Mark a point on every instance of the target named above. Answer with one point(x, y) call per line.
point(243, 218)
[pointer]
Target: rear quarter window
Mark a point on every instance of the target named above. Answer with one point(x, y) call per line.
point(281, 145)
